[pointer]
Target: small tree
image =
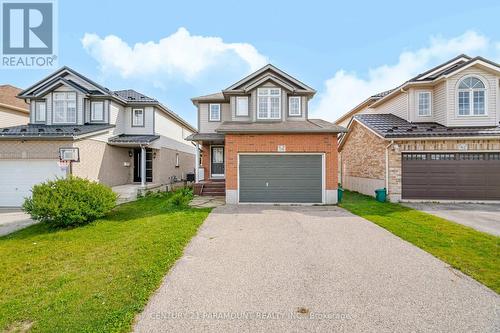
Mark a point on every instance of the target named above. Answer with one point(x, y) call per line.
point(69, 202)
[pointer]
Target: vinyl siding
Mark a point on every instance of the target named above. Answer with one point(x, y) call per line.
point(207, 126)
point(148, 121)
point(439, 103)
point(12, 118)
point(397, 106)
point(491, 82)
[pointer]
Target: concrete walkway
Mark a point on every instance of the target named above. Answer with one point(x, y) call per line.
point(315, 269)
point(199, 201)
point(13, 219)
point(482, 217)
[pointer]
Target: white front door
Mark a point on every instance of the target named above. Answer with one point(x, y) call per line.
point(17, 177)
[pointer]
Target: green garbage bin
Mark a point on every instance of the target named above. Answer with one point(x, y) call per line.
point(340, 194)
point(381, 194)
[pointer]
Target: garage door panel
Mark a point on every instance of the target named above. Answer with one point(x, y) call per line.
point(456, 178)
point(17, 177)
point(280, 178)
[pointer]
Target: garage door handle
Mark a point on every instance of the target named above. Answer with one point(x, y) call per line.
point(267, 184)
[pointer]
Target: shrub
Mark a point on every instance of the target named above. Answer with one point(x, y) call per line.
point(181, 197)
point(69, 202)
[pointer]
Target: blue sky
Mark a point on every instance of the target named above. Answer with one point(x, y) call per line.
point(345, 50)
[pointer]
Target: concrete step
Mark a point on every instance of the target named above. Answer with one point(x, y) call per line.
point(213, 193)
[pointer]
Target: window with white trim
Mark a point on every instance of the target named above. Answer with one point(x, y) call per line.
point(138, 118)
point(424, 101)
point(97, 111)
point(242, 105)
point(214, 112)
point(40, 111)
point(471, 97)
point(269, 103)
point(294, 107)
point(64, 108)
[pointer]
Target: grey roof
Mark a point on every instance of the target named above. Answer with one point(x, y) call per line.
point(33, 131)
point(205, 137)
point(383, 93)
point(391, 126)
point(219, 96)
point(295, 126)
point(132, 96)
point(133, 139)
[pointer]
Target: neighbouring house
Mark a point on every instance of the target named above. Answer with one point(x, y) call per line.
point(13, 111)
point(259, 145)
point(118, 137)
point(435, 137)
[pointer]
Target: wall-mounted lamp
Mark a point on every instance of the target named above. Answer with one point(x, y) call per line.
point(130, 153)
point(154, 153)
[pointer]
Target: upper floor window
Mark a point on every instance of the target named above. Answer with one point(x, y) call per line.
point(40, 111)
point(138, 118)
point(242, 106)
point(214, 112)
point(269, 103)
point(97, 111)
point(471, 97)
point(424, 103)
point(64, 107)
point(294, 108)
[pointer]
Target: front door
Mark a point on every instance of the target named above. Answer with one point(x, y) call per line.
point(217, 161)
point(137, 165)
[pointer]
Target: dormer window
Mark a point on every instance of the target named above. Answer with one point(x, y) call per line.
point(40, 111)
point(214, 112)
point(241, 106)
point(269, 103)
point(471, 97)
point(97, 111)
point(424, 103)
point(64, 108)
point(294, 108)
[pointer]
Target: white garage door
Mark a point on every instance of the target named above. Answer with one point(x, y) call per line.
point(17, 177)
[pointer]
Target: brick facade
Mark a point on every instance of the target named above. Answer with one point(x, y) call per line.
point(268, 143)
point(363, 154)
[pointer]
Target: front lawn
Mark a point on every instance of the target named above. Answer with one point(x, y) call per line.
point(94, 278)
point(472, 252)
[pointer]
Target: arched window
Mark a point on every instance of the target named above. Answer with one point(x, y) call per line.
point(471, 97)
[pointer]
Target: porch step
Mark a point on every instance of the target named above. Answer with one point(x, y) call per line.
point(216, 188)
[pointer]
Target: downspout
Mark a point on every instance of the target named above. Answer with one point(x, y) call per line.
point(387, 166)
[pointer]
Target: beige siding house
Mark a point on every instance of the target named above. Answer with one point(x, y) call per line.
point(436, 137)
point(13, 111)
point(115, 137)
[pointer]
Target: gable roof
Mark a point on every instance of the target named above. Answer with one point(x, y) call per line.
point(271, 70)
point(9, 100)
point(132, 96)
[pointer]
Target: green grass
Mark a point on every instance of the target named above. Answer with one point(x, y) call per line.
point(94, 278)
point(472, 252)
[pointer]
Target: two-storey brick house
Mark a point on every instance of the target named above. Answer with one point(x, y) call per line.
point(435, 137)
point(257, 140)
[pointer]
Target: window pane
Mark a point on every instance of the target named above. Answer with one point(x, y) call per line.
point(275, 107)
point(138, 119)
point(71, 112)
point(215, 112)
point(263, 107)
point(97, 111)
point(275, 91)
point(40, 111)
point(424, 103)
point(263, 91)
point(294, 106)
point(242, 106)
point(479, 103)
point(463, 103)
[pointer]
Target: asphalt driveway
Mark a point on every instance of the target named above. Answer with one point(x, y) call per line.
point(482, 217)
point(12, 219)
point(269, 268)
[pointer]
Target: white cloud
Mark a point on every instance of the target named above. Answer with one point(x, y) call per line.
point(180, 55)
point(347, 89)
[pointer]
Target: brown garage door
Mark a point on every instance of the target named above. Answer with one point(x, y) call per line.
point(452, 176)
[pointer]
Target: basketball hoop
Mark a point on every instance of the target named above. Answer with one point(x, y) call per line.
point(63, 165)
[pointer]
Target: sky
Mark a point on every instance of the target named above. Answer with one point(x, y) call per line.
point(347, 51)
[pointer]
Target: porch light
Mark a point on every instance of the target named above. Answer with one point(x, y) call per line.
point(130, 153)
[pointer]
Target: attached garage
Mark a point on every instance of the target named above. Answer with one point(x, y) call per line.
point(281, 178)
point(17, 177)
point(451, 176)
